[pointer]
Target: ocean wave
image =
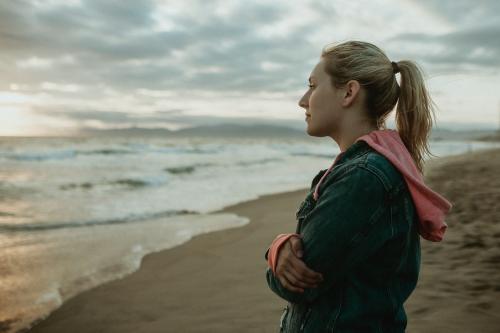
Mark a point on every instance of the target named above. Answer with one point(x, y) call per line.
point(108, 151)
point(145, 181)
point(330, 156)
point(261, 161)
point(40, 156)
point(14, 192)
point(180, 170)
point(40, 226)
point(186, 169)
point(204, 149)
point(5, 214)
point(71, 186)
point(44, 155)
point(130, 182)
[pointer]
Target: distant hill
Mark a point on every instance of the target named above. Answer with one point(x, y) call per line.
point(220, 130)
point(234, 130)
point(132, 131)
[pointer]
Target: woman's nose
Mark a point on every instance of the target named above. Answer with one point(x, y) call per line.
point(303, 102)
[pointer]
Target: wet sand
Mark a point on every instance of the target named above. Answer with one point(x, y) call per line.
point(216, 282)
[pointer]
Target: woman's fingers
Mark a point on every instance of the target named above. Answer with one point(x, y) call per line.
point(297, 281)
point(296, 246)
point(286, 283)
point(305, 272)
point(302, 271)
point(296, 275)
point(296, 267)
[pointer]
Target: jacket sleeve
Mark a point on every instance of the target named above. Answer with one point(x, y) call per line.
point(313, 184)
point(341, 231)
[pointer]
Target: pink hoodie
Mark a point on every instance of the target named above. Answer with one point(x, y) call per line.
point(430, 206)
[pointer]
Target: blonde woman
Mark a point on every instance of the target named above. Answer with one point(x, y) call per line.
point(355, 256)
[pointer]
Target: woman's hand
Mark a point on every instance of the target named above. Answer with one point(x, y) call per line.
point(292, 272)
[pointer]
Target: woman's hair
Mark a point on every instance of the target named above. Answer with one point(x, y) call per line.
point(369, 65)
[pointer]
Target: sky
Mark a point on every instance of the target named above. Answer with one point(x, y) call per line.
point(72, 64)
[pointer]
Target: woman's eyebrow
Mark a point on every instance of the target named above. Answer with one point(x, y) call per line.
point(311, 77)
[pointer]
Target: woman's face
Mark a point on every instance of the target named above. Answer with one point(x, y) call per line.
point(322, 103)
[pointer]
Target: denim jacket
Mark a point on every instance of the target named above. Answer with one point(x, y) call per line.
point(362, 236)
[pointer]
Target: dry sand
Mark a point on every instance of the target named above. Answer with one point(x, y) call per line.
point(216, 282)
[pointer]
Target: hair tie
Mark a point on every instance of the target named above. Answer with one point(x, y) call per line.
point(395, 67)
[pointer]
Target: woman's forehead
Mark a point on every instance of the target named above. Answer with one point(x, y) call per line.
point(317, 72)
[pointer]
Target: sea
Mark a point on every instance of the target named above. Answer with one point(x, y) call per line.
point(77, 212)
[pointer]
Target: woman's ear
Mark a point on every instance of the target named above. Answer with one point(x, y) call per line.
point(351, 92)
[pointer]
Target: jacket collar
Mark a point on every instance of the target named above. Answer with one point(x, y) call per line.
point(356, 149)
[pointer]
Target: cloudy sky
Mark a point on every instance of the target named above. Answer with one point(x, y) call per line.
point(68, 64)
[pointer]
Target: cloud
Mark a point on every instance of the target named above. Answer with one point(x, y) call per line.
point(160, 119)
point(471, 44)
point(465, 14)
point(140, 52)
point(44, 63)
point(103, 38)
point(67, 88)
point(462, 50)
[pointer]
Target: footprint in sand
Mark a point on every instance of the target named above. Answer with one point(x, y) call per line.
point(479, 305)
point(420, 311)
point(478, 286)
point(474, 243)
point(495, 259)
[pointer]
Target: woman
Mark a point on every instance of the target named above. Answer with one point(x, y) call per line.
point(355, 256)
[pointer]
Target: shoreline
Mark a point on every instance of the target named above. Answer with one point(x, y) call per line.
point(214, 291)
point(202, 251)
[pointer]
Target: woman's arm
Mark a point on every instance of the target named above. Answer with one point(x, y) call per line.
point(341, 231)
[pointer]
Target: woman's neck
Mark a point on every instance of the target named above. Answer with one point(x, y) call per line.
point(350, 134)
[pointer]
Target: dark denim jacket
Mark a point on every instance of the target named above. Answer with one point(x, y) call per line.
point(362, 236)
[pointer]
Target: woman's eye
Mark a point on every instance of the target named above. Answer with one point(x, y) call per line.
point(310, 86)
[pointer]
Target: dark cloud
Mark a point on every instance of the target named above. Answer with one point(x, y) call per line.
point(103, 36)
point(472, 45)
point(476, 48)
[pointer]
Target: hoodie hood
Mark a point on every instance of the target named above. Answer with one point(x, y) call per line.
point(430, 206)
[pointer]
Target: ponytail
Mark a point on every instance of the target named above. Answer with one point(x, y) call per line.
point(414, 112)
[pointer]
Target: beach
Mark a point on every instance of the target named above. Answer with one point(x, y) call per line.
point(216, 281)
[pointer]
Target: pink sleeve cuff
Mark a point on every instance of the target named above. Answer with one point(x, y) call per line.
point(272, 256)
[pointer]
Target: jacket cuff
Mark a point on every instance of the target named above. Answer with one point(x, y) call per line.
point(272, 252)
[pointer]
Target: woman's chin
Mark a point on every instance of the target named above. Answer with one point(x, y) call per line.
point(310, 131)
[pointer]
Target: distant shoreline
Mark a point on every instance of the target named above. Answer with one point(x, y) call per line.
point(232, 130)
